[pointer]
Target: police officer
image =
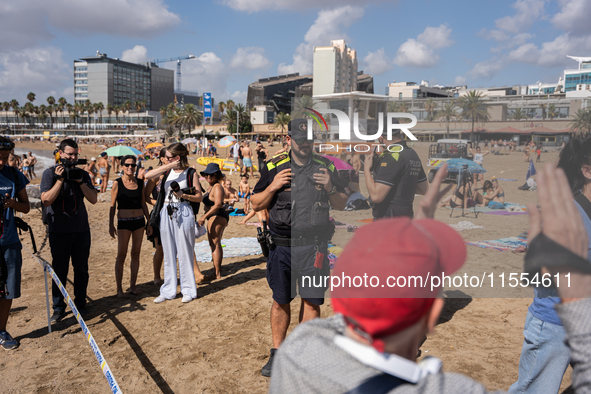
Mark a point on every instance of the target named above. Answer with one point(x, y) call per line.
point(298, 188)
point(396, 176)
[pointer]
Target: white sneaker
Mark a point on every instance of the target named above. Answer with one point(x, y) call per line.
point(187, 298)
point(159, 299)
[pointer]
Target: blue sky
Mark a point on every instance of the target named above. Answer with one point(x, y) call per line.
point(477, 43)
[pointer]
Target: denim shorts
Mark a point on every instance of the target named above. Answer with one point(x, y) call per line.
point(14, 263)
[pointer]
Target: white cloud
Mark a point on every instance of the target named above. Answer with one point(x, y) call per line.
point(420, 52)
point(487, 69)
point(574, 16)
point(377, 63)
point(460, 80)
point(436, 37)
point(413, 53)
point(260, 5)
point(29, 23)
point(328, 26)
point(496, 35)
point(250, 58)
point(551, 53)
point(39, 70)
point(138, 54)
point(239, 97)
point(527, 12)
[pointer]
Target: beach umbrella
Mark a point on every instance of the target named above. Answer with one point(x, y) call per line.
point(153, 145)
point(338, 163)
point(189, 140)
point(120, 141)
point(457, 165)
point(121, 150)
point(226, 141)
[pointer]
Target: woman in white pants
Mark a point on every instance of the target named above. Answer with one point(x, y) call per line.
point(177, 224)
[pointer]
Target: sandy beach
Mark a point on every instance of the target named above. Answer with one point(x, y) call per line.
point(219, 342)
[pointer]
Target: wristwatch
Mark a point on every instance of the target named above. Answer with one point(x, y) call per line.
point(332, 191)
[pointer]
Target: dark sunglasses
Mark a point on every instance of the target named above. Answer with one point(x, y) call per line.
point(129, 165)
point(301, 141)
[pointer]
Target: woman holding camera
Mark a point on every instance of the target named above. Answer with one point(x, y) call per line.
point(216, 216)
point(177, 222)
point(127, 196)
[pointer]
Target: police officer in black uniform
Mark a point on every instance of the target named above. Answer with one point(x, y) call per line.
point(393, 176)
point(298, 188)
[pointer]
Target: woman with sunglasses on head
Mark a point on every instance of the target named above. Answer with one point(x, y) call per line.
point(216, 216)
point(127, 197)
point(177, 222)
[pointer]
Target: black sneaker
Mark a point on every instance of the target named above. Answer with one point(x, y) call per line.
point(57, 316)
point(7, 342)
point(266, 371)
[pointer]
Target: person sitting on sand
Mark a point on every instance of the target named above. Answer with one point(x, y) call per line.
point(244, 192)
point(230, 194)
point(128, 198)
point(459, 197)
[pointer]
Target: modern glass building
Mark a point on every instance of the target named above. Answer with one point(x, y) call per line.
point(113, 81)
point(580, 76)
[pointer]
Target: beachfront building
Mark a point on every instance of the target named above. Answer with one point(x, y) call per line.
point(334, 69)
point(276, 92)
point(112, 81)
point(412, 90)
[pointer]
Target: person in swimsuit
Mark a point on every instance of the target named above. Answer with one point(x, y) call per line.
point(247, 158)
point(33, 161)
point(230, 194)
point(217, 218)
point(495, 195)
point(104, 167)
point(244, 192)
point(262, 155)
point(26, 168)
point(127, 197)
point(478, 159)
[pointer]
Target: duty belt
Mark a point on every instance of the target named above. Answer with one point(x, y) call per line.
point(298, 241)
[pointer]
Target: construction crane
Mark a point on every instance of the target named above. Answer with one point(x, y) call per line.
point(178, 67)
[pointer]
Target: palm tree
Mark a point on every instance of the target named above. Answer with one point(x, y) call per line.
point(50, 101)
point(138, 107)
point(117, 109)
point(447, 114)
point(42, 112)
point(221, 107)
point(581, 123)
point(281, 121)
point(18, 111)
point(126, 107)
point(78, 110)
point(230, 119)
point(518, 114)
point(552, 112)
point(61, 105)
point(29, 108)
point(299, 110)
point(191, 117)
point(109, 112)
point(430, 108)
point(31, 97)
point(6, 107)
point(69, 107)
point(472, 108)
point(230, 104)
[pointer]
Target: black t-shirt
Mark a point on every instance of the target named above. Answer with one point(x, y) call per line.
point(402, 171)
point(68, 213)
point(301, 179)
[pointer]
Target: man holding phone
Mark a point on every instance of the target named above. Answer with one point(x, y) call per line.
point(393, 177)
point(298, 188)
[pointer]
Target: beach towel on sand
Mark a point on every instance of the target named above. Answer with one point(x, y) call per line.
point(233, 247)
point(464, 225)
point(502, 244)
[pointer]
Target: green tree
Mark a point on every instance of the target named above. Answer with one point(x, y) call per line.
point(518, 114)
point(430, 108)
point(126, 107)
point(51, 102)
point(300, 105)
point(31, 97)
point(70, 109)
point(230, 104)
point(552, 111)
point(109, 112)
point(98, 109)
point(117, 109)
point(221, 107)
point(29, 109)
point(473, 108)
point(581, 123)
point(42, 112)
point(6, 107)
point(229, 118)
point(447, 114)
point(191, 117)
point(138, 107)
point(281, 121)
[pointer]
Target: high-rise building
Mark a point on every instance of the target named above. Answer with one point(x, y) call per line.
point(580, 76)
point(335, 68)
point(113, 81)
point(277, 92)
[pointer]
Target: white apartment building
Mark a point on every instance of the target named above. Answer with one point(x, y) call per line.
point(335, 69)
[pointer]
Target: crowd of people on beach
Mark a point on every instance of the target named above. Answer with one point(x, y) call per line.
point(372, 342)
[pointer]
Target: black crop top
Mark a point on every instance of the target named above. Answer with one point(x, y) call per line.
point(129, 199)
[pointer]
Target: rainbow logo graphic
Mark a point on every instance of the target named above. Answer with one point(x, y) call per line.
point(317, 116)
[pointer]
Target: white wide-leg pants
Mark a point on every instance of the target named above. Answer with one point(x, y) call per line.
point(178, 242)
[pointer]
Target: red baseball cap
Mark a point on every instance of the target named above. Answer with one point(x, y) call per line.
point(391, 263)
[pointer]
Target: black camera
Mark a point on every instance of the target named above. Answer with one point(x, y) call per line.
point(71, 172)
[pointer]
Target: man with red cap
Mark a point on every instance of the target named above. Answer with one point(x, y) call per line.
point(370, 344)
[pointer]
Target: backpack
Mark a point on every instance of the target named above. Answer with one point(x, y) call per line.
point(190, 174)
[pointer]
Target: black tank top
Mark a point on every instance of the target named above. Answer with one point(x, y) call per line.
point(129, 199)
point(261, 155)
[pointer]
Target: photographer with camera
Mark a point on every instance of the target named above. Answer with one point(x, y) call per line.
point(63, 190)
point(13, 197)
point(394, 177)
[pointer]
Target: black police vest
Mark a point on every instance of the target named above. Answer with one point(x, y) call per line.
point(302, 208)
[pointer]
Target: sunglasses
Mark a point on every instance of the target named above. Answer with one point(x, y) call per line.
point(130, 165)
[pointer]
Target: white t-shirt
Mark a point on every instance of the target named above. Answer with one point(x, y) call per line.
point(181, 178)
point(236, 150)
point(478, 158)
